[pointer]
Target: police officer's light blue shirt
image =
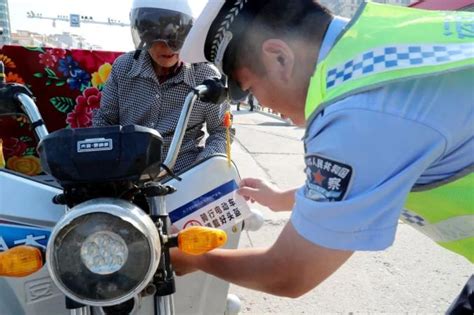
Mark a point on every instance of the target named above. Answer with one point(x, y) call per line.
point(385, 141)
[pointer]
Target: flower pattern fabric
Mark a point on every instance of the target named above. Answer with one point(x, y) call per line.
point(67, 85)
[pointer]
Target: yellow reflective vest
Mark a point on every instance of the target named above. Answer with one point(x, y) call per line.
point(385, 44)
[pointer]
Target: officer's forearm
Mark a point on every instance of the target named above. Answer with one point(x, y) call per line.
point(251, 268)
point(291, 267)
point(286, 200)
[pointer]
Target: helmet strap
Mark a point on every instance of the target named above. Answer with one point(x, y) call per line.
point(138, 50)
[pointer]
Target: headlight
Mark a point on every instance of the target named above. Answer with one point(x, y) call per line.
point(103, 252)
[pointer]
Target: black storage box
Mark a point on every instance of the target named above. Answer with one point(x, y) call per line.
point(93, 155)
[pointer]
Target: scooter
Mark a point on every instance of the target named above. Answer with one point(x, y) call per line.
point(101, 222)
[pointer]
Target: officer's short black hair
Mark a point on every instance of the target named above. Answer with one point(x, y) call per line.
point(284, 19)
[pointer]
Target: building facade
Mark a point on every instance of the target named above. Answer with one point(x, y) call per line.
point(463, 5)
point(5, 37)
point(64, 40)
point(348, 8)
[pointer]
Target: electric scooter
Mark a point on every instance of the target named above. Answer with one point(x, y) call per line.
point(101, 223)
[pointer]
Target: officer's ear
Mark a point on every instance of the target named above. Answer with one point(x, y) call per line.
point(278, 59)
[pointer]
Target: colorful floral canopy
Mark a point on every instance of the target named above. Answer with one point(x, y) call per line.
point(67, 85)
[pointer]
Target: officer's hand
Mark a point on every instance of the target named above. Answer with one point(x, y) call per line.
point(254, 189)
point(181, 262)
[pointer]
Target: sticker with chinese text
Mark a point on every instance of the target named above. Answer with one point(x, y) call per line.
point(327, 180)
point(13, 234)
point(219, 208)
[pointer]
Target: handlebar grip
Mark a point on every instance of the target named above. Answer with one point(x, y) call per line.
point(212, 91)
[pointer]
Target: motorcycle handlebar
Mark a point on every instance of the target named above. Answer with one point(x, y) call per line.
point(211, 91)
point(29, 107)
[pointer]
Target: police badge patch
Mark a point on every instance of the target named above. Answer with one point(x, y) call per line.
point(327, 180)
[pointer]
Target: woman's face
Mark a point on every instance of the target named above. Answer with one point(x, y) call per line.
point(162, 55)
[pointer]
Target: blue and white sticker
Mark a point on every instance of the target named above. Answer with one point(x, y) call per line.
point(327, 180)
point(219, 208)
point(14, 234)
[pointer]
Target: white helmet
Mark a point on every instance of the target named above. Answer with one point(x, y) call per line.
point(163, 20)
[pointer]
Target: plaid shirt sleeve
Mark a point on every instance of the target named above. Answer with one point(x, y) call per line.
point(214, 117)
point(216, 142)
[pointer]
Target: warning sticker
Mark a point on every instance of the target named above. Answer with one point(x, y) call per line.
point(219, 208)
point(192, 223)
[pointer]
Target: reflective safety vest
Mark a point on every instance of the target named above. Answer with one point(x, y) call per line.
point(385, 44)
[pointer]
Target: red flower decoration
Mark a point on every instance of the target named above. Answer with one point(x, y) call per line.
point(14, 147)
point(80, 117)
point(81, 101)
point(93, 101)
point(91, 61)
point(91, 91)
point(48, 59)
point(92, 97)
point(58, 53)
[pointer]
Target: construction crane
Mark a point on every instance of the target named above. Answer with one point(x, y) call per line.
point(75, 20)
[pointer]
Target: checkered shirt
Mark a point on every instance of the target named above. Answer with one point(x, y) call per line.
point(133, 95)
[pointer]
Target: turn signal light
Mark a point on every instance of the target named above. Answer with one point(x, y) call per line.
point(2, 158)
point(20, 261)
point(197, 240)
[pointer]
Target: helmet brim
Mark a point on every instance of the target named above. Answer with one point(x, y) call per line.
point(150, 25)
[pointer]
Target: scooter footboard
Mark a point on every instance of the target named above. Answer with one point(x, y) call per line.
point(27, 216)
point(206, 195)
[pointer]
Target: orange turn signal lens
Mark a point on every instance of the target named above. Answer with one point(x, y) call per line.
point(197, 240)
point(20, 261)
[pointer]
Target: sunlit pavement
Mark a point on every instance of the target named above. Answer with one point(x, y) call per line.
point(413, 276)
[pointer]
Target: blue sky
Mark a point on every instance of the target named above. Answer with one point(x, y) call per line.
point(109, 37)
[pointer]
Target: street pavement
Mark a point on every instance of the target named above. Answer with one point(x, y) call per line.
point(412, 276)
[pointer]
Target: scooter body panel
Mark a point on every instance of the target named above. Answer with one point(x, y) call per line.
point(26, 207)
point(200, 293)
point(27, 212)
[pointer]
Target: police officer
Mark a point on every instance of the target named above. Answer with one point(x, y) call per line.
point(387, 102)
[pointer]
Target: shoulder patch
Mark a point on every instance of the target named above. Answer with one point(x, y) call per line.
point(327, 180)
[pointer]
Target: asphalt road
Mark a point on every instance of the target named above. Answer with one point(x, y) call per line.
point(413, 276)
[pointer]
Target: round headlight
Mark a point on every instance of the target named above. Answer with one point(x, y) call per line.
point(103, 252)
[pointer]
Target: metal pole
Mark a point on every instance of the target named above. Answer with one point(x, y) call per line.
point(80, 311)
point(180, 131)
point(165, 304)
point(31, 110)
